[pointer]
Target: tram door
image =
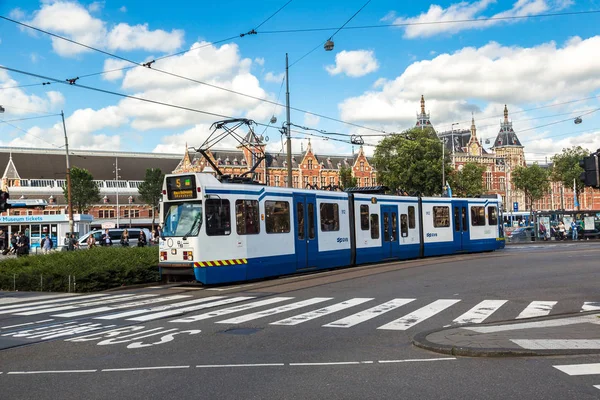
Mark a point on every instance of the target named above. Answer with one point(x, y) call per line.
point(305, 225)
point(461, 225)
point(389, 226)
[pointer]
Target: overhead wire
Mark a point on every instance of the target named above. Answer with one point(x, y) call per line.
point(73, 81)
point(21, 86)
point(28, 133)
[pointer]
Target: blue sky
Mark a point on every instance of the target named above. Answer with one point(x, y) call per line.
point(373, 78)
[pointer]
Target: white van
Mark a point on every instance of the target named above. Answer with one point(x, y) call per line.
point(115, 236)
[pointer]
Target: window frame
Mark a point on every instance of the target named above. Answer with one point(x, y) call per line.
point(220, 203)
point(412, 223)
point(364, 227)
point(492, 211)
point(269, 215)
point(246, 204)
point(441, 220)
point(374, 219)
point(335, 213)
point(477, 215)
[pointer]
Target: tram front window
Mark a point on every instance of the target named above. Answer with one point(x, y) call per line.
point(183, 219)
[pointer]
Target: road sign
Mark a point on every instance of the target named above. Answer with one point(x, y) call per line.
point(516, 206)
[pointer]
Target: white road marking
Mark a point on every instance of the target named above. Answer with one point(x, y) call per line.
point(597, 386)
point(327, 363)
point(480, 312)
point(231, 310)
point(420, 315)
point(591, 306)
point(115, 299)
point(557, 344)
point(298, 319)
point(66, 371)
point(223, 289)
point(145, 368)
point(11, 300)
point(159, 308)
point(50, 328)
point(368, 314)
point(537, 309)
point(579, 369)
point(28, 323)
point(119, 306)
point(180, 311)
point(272, 311)
point(241, 365)
point(44, 303)
point(535, 324)
point(416, 360)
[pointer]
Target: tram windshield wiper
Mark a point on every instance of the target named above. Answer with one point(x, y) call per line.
point(198, 218)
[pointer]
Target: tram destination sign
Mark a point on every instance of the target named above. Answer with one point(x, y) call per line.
point(181, 187)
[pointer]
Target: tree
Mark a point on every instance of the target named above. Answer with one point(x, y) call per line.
point(151, 189)
point(346, 178)
point(412, 161)
point(467, 181)
point(532, 181)
point(84, 191)
point(566, 169)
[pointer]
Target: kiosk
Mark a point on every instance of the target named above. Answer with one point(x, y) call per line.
point(37, 226)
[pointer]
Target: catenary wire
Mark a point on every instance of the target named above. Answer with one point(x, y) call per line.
point(21, 86)
point(189, 79)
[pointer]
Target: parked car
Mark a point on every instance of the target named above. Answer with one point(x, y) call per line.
point(523, 234)
point(115, 236)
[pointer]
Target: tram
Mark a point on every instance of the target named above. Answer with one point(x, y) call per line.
point(221, 231)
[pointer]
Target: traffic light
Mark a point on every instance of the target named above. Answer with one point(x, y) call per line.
point(4, 201)
point(590, 174)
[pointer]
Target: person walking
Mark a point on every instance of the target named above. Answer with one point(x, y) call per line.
point(574, 232)
point(106, 240)
point(71, 242)
point(46, 244)
point(562, 231)
point(142, 241)
point(91, 241)
point(22, 245)
point(125, 238)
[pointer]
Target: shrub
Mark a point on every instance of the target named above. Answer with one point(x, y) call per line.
point(90, 270)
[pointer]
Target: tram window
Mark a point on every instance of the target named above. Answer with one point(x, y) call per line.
point(374, 226)
point(441, 217)
point(364, 217)
point(330, 218)
point(218, 217)
point(457, 219)
point(300, 217)
point(386, 227)
point(277, 218)
point(411, 217)
point(465, 227)
point(492, 216)
point(394, 226)
point(404, 225)
point(311, 221)
point(246, 217)
point(477, 216)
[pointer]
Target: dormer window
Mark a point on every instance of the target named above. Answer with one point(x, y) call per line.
point(310, 164)
point(362, 166)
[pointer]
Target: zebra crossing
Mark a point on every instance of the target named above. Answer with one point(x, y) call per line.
point(581, 370)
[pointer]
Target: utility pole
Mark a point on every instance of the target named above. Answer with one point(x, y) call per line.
point(69, 196)
point(117, 185)
point(443, 167)
point(288, 131)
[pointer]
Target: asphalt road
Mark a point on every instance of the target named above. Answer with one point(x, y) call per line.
point(343, 334)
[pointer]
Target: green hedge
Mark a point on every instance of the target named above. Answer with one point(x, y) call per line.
point(90, 270)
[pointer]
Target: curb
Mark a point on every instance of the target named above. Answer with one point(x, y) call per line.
point(420, 340)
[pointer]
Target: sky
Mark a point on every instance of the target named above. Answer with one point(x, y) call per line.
point(544, 68)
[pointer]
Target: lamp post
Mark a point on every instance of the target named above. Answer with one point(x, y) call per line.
point(69, 195)
point(130, 201)
point(116, 171)
point(287, 123)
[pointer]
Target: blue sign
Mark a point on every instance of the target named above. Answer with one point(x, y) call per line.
point(516, 206)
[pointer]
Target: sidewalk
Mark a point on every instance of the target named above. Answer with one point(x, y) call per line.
point(566, 334)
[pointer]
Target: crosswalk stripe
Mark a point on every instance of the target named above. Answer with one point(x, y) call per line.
point(231, 310)
point(480, 312)
point(12, 300)
point(537, 309)
point(579, 369)
point(158, 308)
point(115, 299)
point(180, 311)
point(272, 311)
point(591, 306)
point(119, 306)
point(298, 319)
point(597, 386)
point(3, 310)
point(368, 314)
point(419, 315)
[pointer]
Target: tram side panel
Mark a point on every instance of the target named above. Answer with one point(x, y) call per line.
point(333, 222)
point(438, 237)
point(367, 230)
point(483, 220)
point(408, 233)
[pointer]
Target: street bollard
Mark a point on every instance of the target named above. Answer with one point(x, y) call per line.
point(74, 285)
point(41, 282)
point(69, 290)
point(14, 282)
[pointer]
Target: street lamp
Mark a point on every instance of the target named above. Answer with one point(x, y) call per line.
point(130, 202)
point(69, 195)
point(328, 45)
point(117, 176)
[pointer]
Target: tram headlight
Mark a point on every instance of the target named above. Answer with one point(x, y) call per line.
point(163, 256)
point(188, 255)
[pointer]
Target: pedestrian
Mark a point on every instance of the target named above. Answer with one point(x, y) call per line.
point(14, 241)
point(2, 239)
point(142, 241)
point(542, 231)
point(574, 230)
point(22, 245)
point(562, 231)
point(106, 240)
point(125, 238)
point(91, 241)
point(71, 242)
point(46, 244)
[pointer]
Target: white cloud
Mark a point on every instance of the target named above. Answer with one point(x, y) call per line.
point(34, 57)
point(260, 61)
point(113, 69)
point(74, 21)
point(311, 121)
point(355, 63)
point(275, 78)
point(96, 6)
point(123, 9)
point(17, 102)
point(426, 24)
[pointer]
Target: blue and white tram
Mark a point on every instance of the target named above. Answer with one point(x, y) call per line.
point(227, 232)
